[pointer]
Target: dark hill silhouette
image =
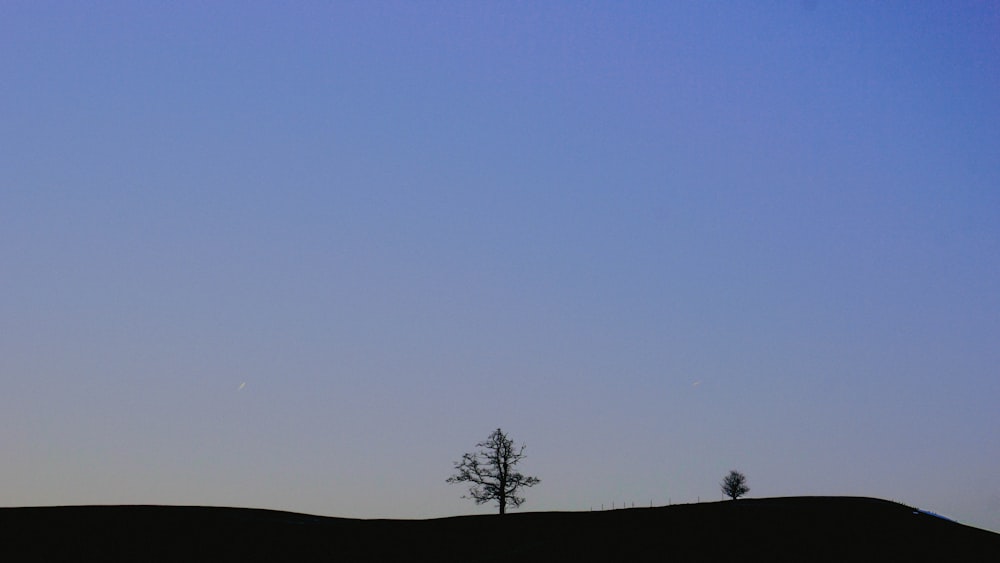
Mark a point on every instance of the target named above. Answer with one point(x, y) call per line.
point(775, 529)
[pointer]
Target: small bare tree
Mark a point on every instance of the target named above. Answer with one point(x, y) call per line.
point(734, 485)
point(491, 472)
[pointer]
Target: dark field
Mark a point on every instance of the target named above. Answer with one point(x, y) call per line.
point(778, 529)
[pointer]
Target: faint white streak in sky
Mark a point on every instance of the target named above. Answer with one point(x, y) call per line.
point(242, 385)
point(696, 383)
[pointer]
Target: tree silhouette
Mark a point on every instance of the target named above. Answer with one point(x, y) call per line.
point(734, 485)
point(491, 472)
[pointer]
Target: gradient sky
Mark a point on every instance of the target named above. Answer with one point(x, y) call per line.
point(304, 255)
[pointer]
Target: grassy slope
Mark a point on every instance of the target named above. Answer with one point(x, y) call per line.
point(779, 529)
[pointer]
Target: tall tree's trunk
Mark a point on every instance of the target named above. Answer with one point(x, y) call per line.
point(502, 498)
point(504, 470)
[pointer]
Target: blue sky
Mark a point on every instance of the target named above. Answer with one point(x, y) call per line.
point(652, 241)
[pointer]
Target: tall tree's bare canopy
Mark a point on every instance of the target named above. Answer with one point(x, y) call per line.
point(491, 474)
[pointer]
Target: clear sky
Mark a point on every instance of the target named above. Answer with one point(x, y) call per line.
point(304, 255)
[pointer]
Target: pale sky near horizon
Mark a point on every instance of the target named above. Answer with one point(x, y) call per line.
point(304, 255)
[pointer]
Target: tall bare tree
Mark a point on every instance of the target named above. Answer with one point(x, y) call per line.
point(491, 474)
point(734, 485)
